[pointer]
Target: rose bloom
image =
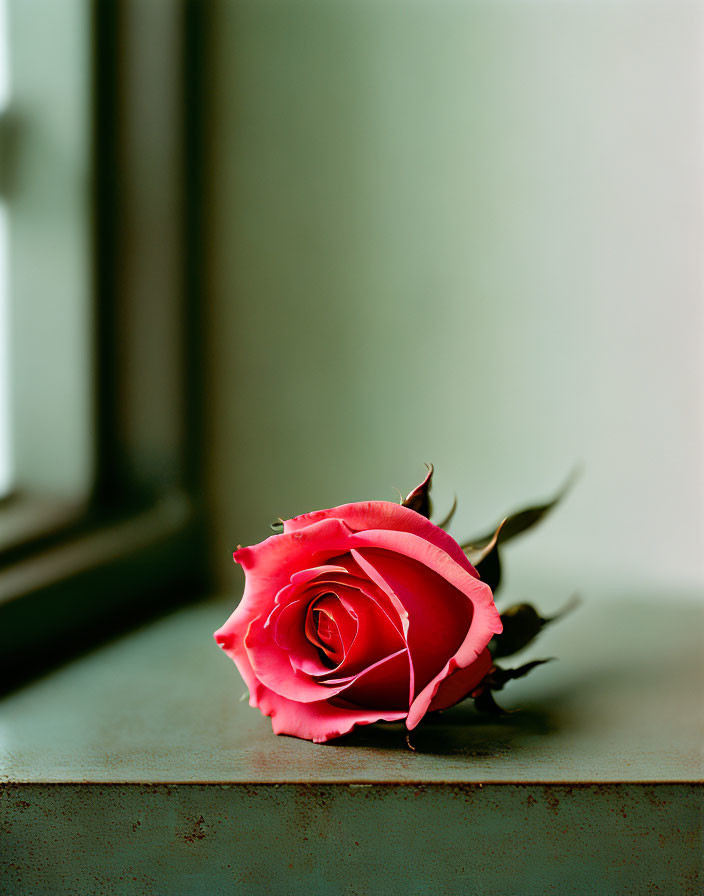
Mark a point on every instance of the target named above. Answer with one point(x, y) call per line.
point(363, 613)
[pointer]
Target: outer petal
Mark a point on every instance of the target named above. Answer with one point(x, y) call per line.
point(269, 567)
point(439, 614)
point(485, 621)
point(270, 564)
point(459, 683)
point(385, 515)
point(318, 722)
point(428, 698)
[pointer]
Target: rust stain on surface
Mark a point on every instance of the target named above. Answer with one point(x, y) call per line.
point(198, 831)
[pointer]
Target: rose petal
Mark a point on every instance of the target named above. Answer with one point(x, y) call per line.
point(356, 578)
point(273, 668)
point(289, 633)
point(307, 575)
point(366, 515)
point(439, 614)
point(485, 620)
point(318, 722)
point(428, 696)
point(270, 564)
point(375, 639)
point(385, 685)
point(459, 683)
point(286, 672)
point(331, 625)
point(376, 621)
point(359, 597)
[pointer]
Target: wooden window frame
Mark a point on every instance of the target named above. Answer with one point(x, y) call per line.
point(74, 576)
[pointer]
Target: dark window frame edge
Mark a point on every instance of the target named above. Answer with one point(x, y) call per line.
point(137, 549)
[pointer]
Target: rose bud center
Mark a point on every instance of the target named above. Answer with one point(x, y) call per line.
point(330, 627)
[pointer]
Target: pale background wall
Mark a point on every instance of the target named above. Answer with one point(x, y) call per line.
point(464, 232)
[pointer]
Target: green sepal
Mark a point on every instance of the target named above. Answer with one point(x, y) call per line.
point(497, 677)
point(495, 680)
point(445, 522)
point(485, 702)
point(521, 624)
point(419, 498)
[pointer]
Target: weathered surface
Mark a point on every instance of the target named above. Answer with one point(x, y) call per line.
point(136, 769)
point(350, 839)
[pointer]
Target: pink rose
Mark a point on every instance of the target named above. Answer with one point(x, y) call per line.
point(363, 613)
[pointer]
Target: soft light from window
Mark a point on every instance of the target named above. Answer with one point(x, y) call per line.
point(5, 441)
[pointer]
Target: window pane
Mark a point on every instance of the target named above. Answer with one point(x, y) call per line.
point(5, 437)
point(49, 203)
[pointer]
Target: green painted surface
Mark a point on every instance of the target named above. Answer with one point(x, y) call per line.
point(622, 703)
point(136, 769)
point(498, 840)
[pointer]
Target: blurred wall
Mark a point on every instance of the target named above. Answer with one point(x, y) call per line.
point(467, 233)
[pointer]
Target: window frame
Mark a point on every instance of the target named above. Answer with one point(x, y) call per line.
point(81, 573)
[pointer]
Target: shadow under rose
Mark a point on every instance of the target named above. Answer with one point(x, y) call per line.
point(458, 731)
point(462, 730)
point(605, 675)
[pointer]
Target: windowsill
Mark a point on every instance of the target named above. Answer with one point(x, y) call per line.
point(31, 518)
point(94, 581)
point(163, 705)
point(169, 783)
